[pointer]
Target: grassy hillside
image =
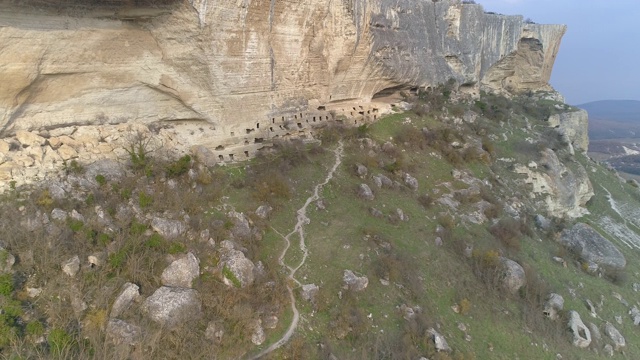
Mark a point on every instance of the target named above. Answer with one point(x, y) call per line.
point(429, 249)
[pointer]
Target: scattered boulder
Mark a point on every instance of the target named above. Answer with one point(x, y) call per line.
point(635, 315)
point(130, 293)
point(172, 306)
point(204, 155)
point(513, 277)
point(592, 247)
point(258, 336)
point(590, 307)
point(553, 305)
point(595, 332)
point(410, 181)
point(581, 334)
point(361, 170)
point(608, 350)
point(182, 272)
point(71, 266)
point(439, 341)
point(263, 211)
point(382, 181)
point(542, 222)
point(615, 336)
point(59, 214)
point(168, 228)
point(241, 228)
point(353, 282)
point(364, 191)
point(120, 332)
point(270, 322)
point(375, 212)
point(237, 270)
point(309, 291)
point(6, 261)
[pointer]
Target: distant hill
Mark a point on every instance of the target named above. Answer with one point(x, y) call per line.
point(613, 110)
point(613, 119)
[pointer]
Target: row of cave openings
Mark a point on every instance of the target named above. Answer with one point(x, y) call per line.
point(287, 124)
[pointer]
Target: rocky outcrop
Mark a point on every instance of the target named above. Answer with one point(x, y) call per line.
point(573, 125)
point(173, 306)
point(592, 247)
point(513, 277)
point(181, 272)
point(228, 75)
point(568, 189)
point(581, 334)
point(353, 282)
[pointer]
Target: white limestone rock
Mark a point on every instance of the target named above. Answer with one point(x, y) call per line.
point(182, 271)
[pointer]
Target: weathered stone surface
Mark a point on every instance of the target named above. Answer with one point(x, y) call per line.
point(71, 266)
point(214, 331)
point(121, 332)
point(592, 247)
point(258, 336)
point(573, 125)
point(615, 336)
point(514, 276)
point(353, 282)
point(263, 211)
point(553, 305)
point(439, 341)
point(172, 306)
point(581, 334)
point(27, 138)
point(241, 228)
point(59, 214)
point(6, 261)
point(309, 291)
point(410, 181)
point(382, 181)
point(168, 228)
point(364, 191)
point(130, 293)
point(181, 272)
point(595, 332)
point(635, 315)
point(236, 267)
point(568, 190)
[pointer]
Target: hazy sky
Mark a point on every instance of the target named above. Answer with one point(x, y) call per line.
point(599, 56)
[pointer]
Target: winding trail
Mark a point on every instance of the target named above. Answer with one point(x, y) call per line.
point(303, 220)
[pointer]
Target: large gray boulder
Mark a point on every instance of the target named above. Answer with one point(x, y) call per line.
point(364, 191)
point(581, 334)
point(553, 305)
point(615, 336)
point(513, 277)
point(353, 282)
point(182, 271)
point(173, 306)
point(237, 270)
point(168, 228)
point(241, 228)
point(592, 247)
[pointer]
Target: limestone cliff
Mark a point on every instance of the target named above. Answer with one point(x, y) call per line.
point(230, 73)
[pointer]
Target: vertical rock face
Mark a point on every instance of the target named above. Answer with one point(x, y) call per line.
point(232, 73)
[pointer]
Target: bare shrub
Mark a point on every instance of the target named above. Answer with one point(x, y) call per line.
point(507, 231)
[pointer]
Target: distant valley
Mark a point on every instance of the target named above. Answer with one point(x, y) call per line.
point(614, 133)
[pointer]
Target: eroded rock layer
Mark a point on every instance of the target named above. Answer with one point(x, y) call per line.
point(228, 75)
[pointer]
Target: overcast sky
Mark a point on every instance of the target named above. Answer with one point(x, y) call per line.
point(599, 56)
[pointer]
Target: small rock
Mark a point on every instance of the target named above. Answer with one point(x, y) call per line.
point(95, 260)
point(542, 222)
point(270, 322)
point(258, 337)
point(364, 191)
point(361, 170)
point(553, 305)
point(182, 272)
point(353, 282)
point(375, 212)
point(439, 340)
point(71, 266)
point(7, 260)
point(130, 293)
point(321, 205)
point(615, 336)
point(241, 228)
point(263, 211)
point(382, 181)
point(590, 307)
point(608, 350)
point(33, 292)
point(410, 181)
point(401, 216)
point(635, 315)
point(309, 292)
point(121, 332)
point(59, 214)
point(438, 241)
point(407, 312)
point(240, 269)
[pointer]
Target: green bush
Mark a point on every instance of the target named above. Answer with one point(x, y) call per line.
point(136, 228)
point(144, 200)
point(34, 328)
point(155, 241)
point(226, 272)
point(60, 342)
point(6, 284)
point(177, 248)
point(179, 167)
point(101, 180)
point(75, 225)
